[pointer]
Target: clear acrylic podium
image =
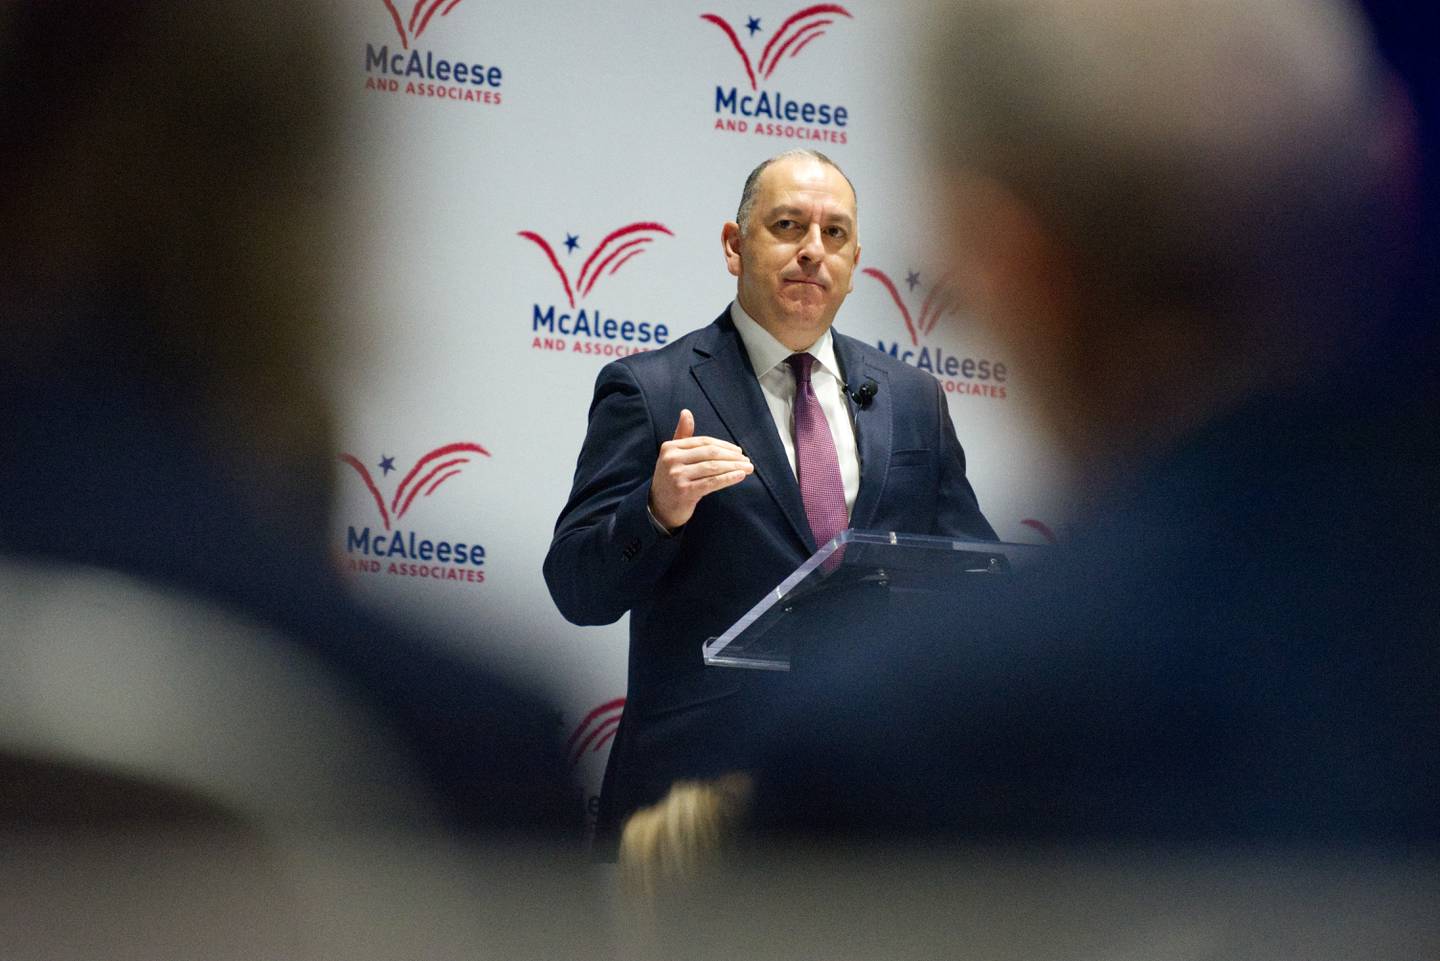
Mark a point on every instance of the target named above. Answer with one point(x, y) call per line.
point(860, 583)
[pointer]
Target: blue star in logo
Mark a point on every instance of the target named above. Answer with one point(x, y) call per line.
point(387, 464)
point(753, 25)
point(911, 279)
point(571, 242)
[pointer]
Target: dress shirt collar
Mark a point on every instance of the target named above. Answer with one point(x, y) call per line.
point(766, 352)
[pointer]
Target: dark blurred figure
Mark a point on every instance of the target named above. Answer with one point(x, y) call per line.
point(1182, 224)
point(1403, 36)
point(1187, 222)
point(180, 660)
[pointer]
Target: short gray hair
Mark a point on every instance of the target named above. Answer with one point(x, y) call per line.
point(747, 195)
point(1193, 154)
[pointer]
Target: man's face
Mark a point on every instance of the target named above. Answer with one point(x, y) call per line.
point(798, 252)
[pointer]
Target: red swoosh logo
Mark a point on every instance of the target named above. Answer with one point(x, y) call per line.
point(618, 248)
point(942, 298)
point(429, 472)
point(420, 16)
point(595, 730)
point(795, 34)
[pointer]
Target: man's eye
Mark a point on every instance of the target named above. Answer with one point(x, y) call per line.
point(785, 225)
point(837, 232)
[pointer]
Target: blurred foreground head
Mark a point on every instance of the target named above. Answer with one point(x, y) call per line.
point(206, 749)
point(1165, 209)
point(167, 178)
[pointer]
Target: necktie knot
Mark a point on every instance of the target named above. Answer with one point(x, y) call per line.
point(801, 364)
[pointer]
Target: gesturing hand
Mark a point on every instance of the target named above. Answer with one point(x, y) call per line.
point(690, 467)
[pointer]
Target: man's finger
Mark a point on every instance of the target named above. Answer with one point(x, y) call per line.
point(710, 485)
point(694, 455)
point(694, 473)
point(686, 427)
point(689, 443)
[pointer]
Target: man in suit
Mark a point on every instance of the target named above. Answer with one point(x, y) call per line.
point(1208, 727)
point(713, 467)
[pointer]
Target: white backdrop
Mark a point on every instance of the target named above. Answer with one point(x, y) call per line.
point(589, 119)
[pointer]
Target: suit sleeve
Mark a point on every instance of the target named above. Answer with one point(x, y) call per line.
point(606, 553)
point(958, 512)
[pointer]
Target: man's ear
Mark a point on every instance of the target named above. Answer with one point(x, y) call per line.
point(1016, 277)
point(1004, 261)
point(853, 264)
point(730, 240)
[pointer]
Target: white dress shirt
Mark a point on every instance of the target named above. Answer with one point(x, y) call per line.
point(777, 383)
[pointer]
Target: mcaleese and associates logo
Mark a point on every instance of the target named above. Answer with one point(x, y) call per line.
point(768, 111)
point(385, 549)
point(971, 376)
point(577, 328)
point(589, 737)
point(415, 72)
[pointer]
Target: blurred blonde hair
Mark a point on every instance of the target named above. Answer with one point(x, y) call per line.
point(671, 843)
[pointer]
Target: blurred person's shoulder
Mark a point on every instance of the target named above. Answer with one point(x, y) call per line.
point(109, 671)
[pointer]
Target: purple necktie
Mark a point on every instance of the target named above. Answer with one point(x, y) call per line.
point(816, 465)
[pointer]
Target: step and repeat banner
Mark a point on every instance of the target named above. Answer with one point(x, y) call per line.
point(539, 189)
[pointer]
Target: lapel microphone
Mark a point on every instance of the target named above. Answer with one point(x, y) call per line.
point(865, 393)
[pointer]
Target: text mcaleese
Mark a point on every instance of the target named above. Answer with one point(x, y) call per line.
point(430, 67)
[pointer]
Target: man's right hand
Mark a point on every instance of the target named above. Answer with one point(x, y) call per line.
point(690, 467)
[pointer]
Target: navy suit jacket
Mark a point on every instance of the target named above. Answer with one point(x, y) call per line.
point(683, 720)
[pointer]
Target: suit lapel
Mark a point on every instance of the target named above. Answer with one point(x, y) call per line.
point(722, 369)
point(873, 428)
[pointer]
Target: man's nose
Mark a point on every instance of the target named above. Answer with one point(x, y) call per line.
point(812, 246)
